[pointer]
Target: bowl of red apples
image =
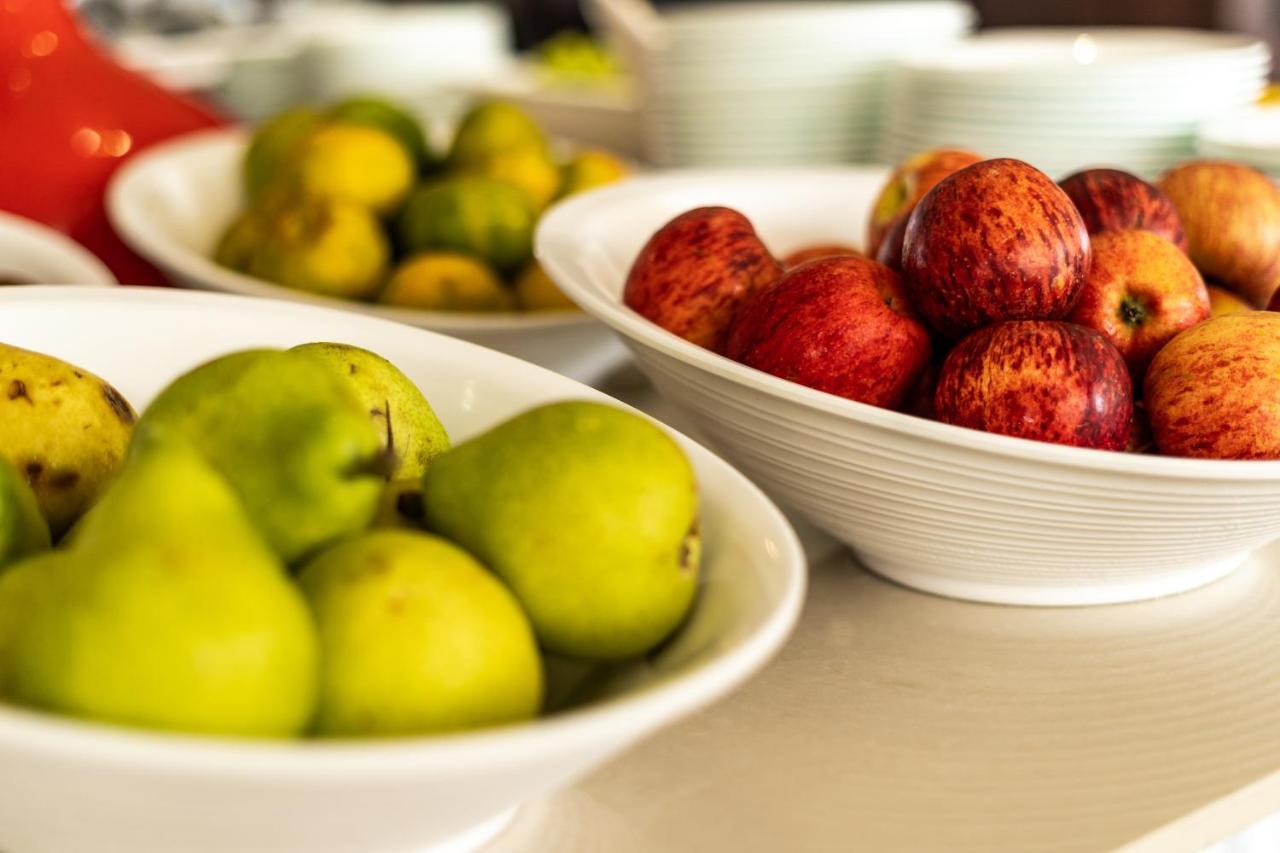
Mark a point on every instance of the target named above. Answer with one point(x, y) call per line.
point(989, 384)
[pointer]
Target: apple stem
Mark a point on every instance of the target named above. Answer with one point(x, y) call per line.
point(1132, 311)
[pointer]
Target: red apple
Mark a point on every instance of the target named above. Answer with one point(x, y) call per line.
point(1112, 200)
point(1038, 379)
point(919, 399)
point(840, 325)
point(1231, 214)
point(1141, 291)
point(908, 183)
point(995, 241)
point(696, 270)
point(1214, 390)
point(1223, 301)
point(890, 251)
point(816, 252)
point(1140, 440)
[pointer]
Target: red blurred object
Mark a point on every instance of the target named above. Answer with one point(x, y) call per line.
point(69, 116)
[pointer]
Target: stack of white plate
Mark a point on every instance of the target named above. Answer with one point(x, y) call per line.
point(780, 83)
point(1064, 99)
point(1251, 137)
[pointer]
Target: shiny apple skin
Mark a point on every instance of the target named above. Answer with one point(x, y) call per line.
point(1213, 392)
point(840, 325)
point(995, 241)
point(694, 273)
point(1141, 292)
point(1042, 380)
point(1113, 200)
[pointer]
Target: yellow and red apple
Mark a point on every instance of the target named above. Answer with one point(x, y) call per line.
point(695, 271)
point(1231, 214)
point(841, 325)
point(1042, 380)
point(908, 183)
point(1112, 200)
point(998, 240)
point(1214, 390)
point(1141, 291)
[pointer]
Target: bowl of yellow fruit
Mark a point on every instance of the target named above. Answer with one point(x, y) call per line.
point(352, 206)
point(278, 577)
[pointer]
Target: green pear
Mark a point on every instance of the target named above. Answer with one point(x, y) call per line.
point(290, 437)
point(23, 530)
point(166, 610)
point(64, 429)
point(589, 513)
point(411, 433)
point(416, 637)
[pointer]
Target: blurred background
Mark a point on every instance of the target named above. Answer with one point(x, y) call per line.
point(730, 83)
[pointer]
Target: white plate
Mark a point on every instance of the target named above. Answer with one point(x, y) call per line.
point(941, 508)
point(173, 201)
point(32, 252)
point(72, 786)
point(1017, 58)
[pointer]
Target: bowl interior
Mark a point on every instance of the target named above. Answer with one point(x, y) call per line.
point(141, 339)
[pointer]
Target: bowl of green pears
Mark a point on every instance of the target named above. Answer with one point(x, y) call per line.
point(364, 205)
point(275, 577)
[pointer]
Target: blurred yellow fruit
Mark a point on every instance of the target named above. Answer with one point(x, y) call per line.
point(1223, 301)
point(273, 146)
point(1270, 96)
point(474, 215)
point(326, 246)
point(590, 169)
point(241, 239)
point(494, 128)
point(446, 281)
point(571, 54)
point(530, 169)
point(377, 111)
point(535, 291)
point(356, 163)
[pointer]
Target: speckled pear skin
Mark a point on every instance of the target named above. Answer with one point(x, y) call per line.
point(1114, 200)
point(1041, 380)
point(401, 414)
point(65, 430)
point(589, 514)
point(1214, 391)
point(995, 241)
point(696, 271)
point(841, 325)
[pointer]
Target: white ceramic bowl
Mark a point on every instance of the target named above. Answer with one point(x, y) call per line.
point(172, 202)
point(35, 253)
point(71, 786)
point(937, 507)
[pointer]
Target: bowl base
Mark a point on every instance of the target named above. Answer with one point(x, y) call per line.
point(476, 837)
point(1061, 594)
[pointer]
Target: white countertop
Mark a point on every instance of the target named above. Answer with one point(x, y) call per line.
point(895, 720)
